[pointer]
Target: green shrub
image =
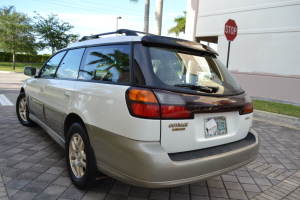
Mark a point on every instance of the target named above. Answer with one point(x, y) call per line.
point(7, 57)
point(22, 58)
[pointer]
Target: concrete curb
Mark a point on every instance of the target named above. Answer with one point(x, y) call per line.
point(283, 120)
point(7, 72)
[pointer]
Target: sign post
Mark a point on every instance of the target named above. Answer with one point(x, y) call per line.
point(230, 33)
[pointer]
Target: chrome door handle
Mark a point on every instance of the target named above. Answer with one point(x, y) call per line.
point(41, 89)
point(67, 94)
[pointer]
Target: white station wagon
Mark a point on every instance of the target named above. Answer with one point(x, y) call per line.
point(148, 110)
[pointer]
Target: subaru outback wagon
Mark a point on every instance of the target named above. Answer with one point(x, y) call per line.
point(148, 110)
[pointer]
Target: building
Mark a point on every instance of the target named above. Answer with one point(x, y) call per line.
point(264, 56)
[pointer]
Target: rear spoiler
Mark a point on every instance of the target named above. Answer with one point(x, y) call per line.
point(178, 44)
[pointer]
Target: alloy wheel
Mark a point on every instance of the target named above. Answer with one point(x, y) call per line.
point(22, 109)
point(77, 155)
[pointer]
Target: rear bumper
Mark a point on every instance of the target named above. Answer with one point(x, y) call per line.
point(146, 164)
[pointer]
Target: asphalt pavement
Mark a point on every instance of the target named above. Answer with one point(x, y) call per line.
point(32, 165)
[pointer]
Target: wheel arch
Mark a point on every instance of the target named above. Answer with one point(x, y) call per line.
point(69, 120)
point(22, 90)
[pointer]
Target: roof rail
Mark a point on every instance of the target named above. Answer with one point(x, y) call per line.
point(127, 32)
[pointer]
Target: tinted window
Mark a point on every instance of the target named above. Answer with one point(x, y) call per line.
point(199, 73)
point(106, 63)
point(50, 67)
point(70, 65)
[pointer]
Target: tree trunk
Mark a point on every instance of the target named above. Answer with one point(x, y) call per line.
point(158, 16)
point(52, 51)
point(146, 16)
point(14, 60)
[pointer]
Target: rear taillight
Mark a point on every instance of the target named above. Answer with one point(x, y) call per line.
point(174, 112)
point(144, 103)
point(248, 108)
point(142, 95)
point(145, 110)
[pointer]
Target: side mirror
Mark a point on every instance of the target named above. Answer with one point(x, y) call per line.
point(30, 71)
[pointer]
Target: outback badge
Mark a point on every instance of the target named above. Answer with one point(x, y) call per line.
point(178, 126)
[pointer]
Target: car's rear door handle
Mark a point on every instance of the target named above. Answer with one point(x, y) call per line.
point(42, 89)
point(67, 94)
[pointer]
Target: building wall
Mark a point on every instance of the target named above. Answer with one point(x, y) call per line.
point(264, 56)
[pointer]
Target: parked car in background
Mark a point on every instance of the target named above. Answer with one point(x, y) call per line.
point(148, 110)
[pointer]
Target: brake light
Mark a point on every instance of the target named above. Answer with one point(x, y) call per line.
point(144, 103)
point(248, 108)
point(145, 110)
point(174, 112)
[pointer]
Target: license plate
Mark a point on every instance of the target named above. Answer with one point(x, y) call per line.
point(215, 126)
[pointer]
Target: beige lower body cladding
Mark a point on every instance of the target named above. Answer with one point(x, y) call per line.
point(146, 164)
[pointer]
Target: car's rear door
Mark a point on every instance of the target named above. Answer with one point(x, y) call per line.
point(59, 90)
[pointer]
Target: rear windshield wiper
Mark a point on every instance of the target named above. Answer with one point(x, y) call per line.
point(208, 89)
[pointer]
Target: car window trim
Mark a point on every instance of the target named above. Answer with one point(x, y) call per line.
point(78, 67)
point(109, 44)
point(40, 71)
point(172, 88)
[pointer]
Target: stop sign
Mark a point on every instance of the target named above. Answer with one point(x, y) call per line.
point(230, 30)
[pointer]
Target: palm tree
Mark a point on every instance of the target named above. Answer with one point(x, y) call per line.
point(180, 26)
point(146, 15)
point(158, 16)
point(117, 60)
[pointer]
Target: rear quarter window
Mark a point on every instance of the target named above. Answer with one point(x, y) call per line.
point(106, 63)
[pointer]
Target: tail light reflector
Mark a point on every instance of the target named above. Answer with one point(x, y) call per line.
point(248, 108)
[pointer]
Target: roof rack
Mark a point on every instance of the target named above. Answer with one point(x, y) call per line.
point(127, 32)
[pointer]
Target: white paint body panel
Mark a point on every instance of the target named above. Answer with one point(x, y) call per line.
point(58, 97)
point(55, 93)
point(104, 106)
point(193, 137)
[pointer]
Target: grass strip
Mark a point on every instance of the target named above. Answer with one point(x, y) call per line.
point(279, 108)
point(7, 66)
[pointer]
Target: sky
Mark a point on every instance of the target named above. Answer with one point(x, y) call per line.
point(100, 16)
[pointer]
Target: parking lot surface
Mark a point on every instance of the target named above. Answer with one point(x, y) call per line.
point(33, 166)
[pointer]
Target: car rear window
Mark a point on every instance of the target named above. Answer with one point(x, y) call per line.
point(189, 72)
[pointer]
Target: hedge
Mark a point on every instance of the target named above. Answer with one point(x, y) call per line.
point(7, 57)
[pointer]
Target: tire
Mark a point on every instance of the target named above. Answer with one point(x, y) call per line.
point(22, 111)
point(81, 162)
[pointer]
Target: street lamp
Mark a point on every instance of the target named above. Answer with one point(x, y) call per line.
point(117, 21)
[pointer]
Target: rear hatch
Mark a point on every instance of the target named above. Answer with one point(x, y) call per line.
point(201, 104)
point(213, 121)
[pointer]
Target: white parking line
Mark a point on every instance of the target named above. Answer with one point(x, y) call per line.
point(5, 101)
